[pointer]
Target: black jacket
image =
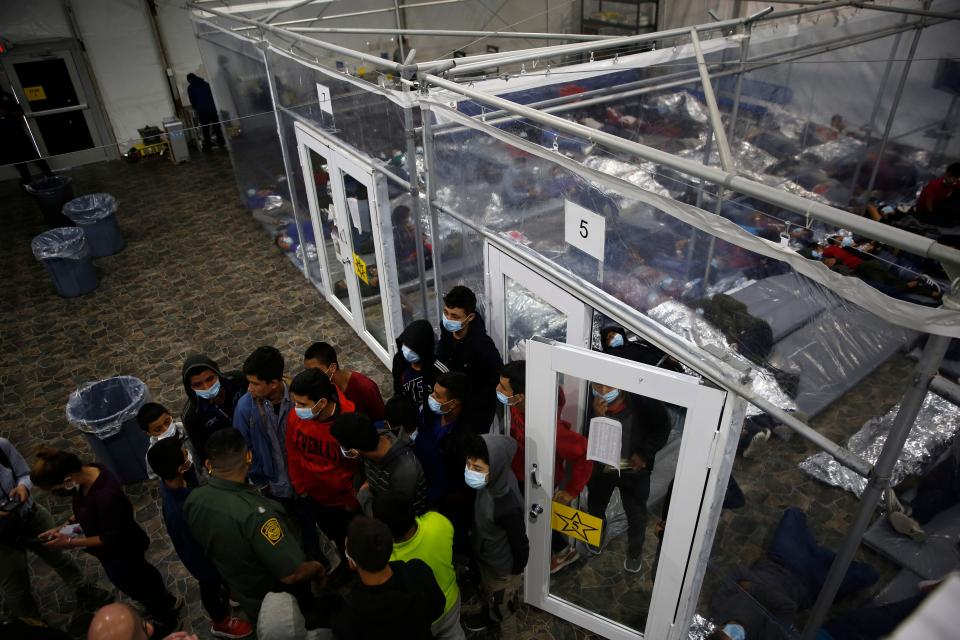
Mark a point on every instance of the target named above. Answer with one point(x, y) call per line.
point(476, 356)
point(418, 335)
point(202, 417)
point(200, 95)
point(403, 607)
point(399, 471)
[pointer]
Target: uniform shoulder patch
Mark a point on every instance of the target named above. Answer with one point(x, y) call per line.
point(272, 531)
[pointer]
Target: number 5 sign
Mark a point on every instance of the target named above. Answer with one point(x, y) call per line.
point(584, 229)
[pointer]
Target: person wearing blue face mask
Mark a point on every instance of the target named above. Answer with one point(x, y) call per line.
point(465, 347)
point(645, 426)
point(415, 368)
point(498, 535)
point(212, 398)
point(319, 470)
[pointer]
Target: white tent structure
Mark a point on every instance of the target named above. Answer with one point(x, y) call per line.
point(669, 183)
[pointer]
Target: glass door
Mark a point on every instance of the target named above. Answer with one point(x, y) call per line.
point(61, 115)
point(524, 305)
point(349, 210)
point(632, 565)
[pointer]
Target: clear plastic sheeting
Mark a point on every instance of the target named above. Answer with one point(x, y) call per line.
point(100, 408)
point(90, 208)
point(691, 326)
point(67, 243)
point(935, 426)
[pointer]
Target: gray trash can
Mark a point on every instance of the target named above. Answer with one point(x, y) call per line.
point(52, 193)
point(96, 213)
point(66, 255)
point(106, 412)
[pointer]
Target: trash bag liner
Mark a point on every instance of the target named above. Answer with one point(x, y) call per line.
point(90, 208)
point(100, 408)
point(68, 243)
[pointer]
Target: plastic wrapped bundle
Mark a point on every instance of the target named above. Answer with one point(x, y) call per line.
point(932, 431)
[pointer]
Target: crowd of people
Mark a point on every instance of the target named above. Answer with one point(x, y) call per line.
point(417, 495)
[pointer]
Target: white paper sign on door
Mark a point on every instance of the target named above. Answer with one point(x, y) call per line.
point(584, 229)
point(603, 442)
point(323, 95)
point(354, 208)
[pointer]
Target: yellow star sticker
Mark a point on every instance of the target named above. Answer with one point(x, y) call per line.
point(576, 524)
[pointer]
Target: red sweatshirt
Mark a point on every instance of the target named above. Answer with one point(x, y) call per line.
point(315, 463)
point(843, 256)
point(365, 395)
point(571, 449)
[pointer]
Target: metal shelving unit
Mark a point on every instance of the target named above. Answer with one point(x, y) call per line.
point(619, 17)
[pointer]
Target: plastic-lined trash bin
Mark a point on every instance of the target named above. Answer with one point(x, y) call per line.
point(52, 192)
point(66, 255)
point(106, 412)
point(96, 214)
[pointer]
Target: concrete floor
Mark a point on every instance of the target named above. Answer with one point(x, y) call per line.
point(198, 274)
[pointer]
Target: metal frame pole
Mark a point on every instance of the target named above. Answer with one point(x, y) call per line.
point(426, 114)
point(871, 123)
point(468, 65)
point(444, 33)
point(918, 245)
point(414, 191)
point(716, 121)
point(896, 101)
point(272, 84)
point(879, 478)
point(925, 12)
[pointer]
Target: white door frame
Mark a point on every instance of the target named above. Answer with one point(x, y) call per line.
point(704, 405)
point(579, 315)
point(341, 160)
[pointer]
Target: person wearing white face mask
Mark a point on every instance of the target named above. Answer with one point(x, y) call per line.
point(158, 423)
point(415, 368)
point(645, 426)
point(170, 461)
point(498, 536)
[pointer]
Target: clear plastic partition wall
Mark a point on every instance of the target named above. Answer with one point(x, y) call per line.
point(731, 274)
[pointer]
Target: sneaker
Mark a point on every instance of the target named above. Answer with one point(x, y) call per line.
point(594, 551)
point(233, 603)
point(632, 564)
point(902, 523)
point(231, 627)
point(476, 622)
point(566, 557)
point(757, 444)
point(92, 597)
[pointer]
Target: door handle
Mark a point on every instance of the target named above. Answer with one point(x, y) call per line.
point(535, 475)
point(535, 511)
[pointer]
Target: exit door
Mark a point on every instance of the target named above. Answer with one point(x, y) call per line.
point(601, 591)
point(350, 215)
point(55, 92)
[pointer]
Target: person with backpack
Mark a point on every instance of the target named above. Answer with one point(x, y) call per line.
point(212, 397)
point(21, 521)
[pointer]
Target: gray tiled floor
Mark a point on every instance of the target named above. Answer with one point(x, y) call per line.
point(199, 274)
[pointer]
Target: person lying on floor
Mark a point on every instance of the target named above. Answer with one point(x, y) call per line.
point(937, 490)
point(762, 602)
point(873, 272)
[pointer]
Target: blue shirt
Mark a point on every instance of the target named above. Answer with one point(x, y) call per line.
point(189, 550)
point(17, 473)
point(265, 431)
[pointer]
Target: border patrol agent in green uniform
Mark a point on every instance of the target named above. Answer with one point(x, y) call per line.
point(247, 536)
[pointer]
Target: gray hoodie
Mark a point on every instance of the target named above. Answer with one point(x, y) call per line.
point(499, 531)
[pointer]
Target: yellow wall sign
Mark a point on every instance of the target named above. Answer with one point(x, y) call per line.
point(34, 93)
point(360, 268)
point(579, 525)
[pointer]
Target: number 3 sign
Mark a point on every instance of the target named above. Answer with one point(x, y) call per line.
point(584, 229)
